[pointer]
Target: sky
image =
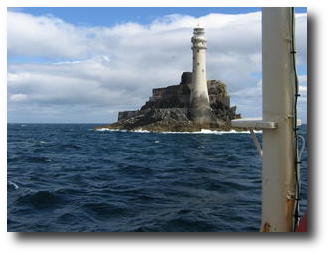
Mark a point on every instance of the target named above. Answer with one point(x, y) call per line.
point(83, 65)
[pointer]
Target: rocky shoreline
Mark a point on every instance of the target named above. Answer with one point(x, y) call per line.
point(163, 120)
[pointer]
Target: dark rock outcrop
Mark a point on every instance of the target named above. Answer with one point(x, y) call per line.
point(168, 109)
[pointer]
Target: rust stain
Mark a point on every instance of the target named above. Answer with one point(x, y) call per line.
point(266, 227)
point(289, 214)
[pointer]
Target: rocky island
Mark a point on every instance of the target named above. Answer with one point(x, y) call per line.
point(194, 104)
point(168, 109)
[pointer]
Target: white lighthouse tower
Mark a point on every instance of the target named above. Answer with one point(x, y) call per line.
point(199, 99)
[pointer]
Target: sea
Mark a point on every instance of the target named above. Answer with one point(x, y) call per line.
point(72, 178)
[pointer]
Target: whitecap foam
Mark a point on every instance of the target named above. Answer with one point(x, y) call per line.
point(206, 131)
point(113, 130)
point(104, 129)
point(140, 131)
point(203, 131)
point(14, 184)
point(123, 130)
point(212, 132)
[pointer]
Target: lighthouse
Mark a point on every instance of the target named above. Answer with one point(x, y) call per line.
point(200, 110)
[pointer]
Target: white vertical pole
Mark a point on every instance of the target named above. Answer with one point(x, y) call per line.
point(278, 176)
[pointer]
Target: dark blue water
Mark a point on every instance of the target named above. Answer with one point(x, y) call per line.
point(68, 177)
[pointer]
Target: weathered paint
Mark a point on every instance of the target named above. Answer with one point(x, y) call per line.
point(266, 227)
point(289, 213)
point(278, 103)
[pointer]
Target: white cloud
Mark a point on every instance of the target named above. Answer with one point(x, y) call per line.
point(302, 79)
point(43, 36)
point(18, 98)
point(301, 38)
point(114, 68)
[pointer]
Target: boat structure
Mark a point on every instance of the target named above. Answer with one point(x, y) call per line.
point(279, 124)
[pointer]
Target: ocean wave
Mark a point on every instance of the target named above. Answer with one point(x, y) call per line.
point(130, 182)
point(99, 210)
point(37, 159)
point(40, 199)
point(70, 146)
point(12, 186)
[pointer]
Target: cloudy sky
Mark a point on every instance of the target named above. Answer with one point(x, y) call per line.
point(83, 65)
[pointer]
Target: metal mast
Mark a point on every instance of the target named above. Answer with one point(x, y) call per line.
point(279, 121)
